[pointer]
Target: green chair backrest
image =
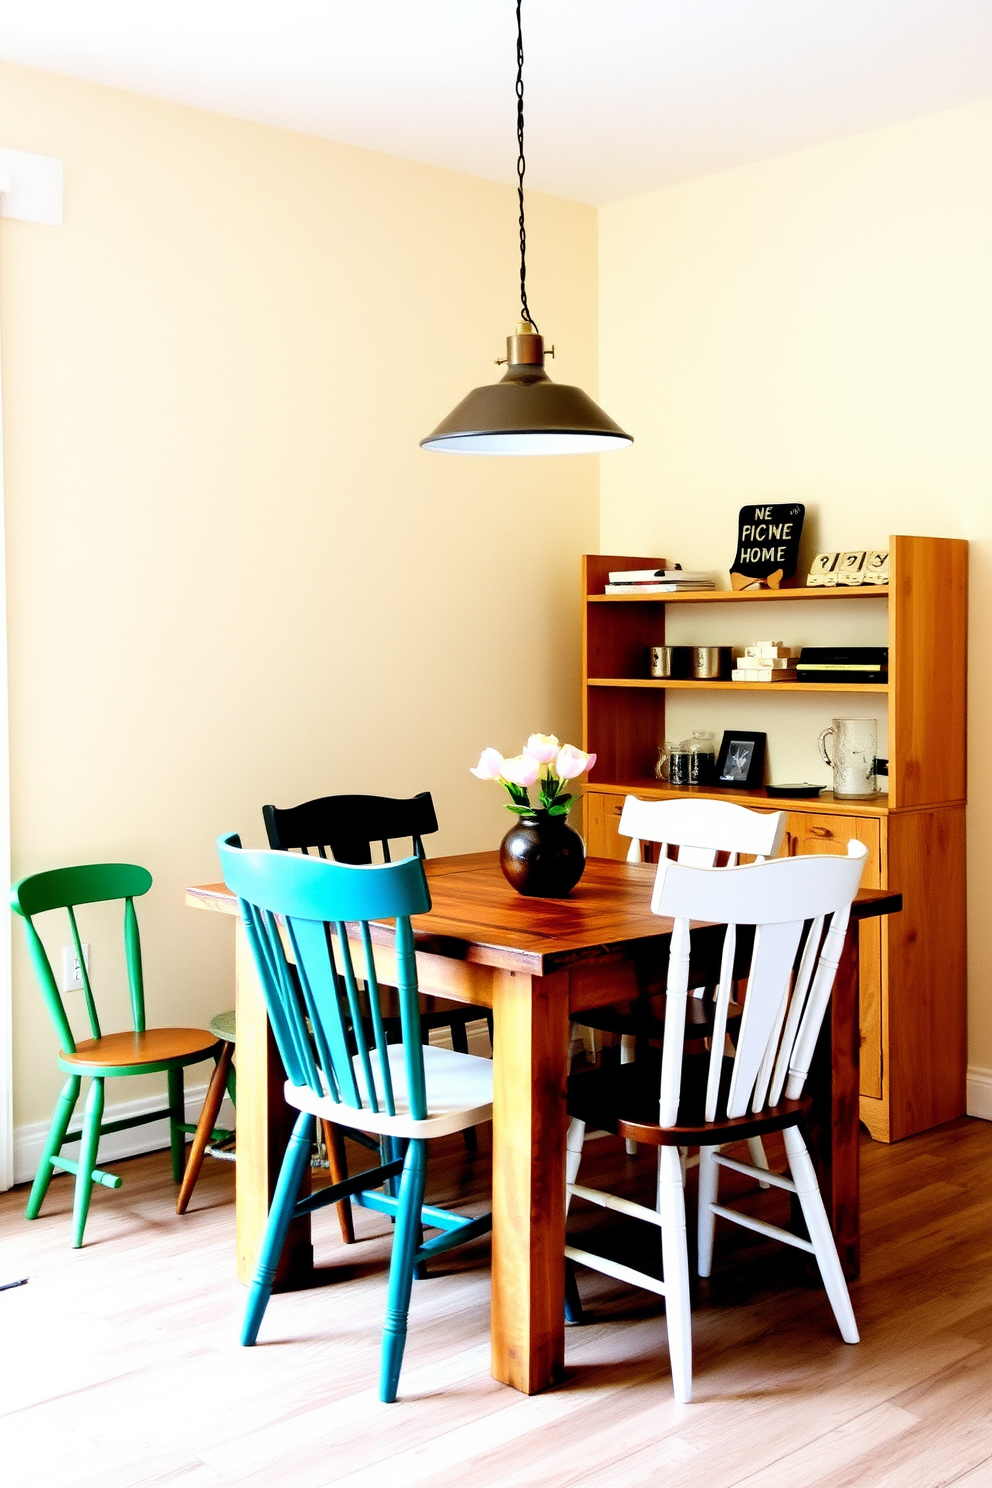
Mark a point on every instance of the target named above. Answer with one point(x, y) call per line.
point(313, 999)
point(66, 888)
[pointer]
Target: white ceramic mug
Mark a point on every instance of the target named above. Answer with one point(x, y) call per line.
point(855, 741)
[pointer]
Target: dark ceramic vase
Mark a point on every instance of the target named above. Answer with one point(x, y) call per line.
point(542, 856)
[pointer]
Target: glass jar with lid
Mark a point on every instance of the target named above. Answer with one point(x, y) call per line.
point(701, 750)
point(678, 765)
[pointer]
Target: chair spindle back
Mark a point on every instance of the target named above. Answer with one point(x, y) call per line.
point(298, 912)
point(349, 825)
point(700, 830)
point(68, 888)
point(800, 909)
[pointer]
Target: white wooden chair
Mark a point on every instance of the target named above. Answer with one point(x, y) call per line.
point(696, 832)
point(714, 1099)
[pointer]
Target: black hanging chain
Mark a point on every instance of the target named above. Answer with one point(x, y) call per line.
point(521, 168)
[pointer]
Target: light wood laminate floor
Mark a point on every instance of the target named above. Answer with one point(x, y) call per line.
point(119, 1365)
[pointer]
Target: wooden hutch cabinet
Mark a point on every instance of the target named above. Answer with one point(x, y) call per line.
point(913, 969)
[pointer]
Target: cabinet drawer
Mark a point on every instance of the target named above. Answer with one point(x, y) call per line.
point(809, 833)
point(601, 820)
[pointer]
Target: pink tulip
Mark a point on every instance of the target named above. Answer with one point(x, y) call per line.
point(490, 766)
point(542, 747)
point(572, 762)
point(522, 770)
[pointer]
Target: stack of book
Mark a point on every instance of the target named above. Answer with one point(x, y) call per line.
point(767, 661)
point(656, 581)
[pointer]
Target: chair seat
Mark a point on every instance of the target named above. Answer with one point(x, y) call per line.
point(158, 1049)
point(624, 1099)
point(225, 1026)
point(459, 1095)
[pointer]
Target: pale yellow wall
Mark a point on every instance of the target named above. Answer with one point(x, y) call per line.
point(234, 576)
point(816, 328)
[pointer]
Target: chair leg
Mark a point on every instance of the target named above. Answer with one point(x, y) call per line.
point(405, 1241)
point(280, 1213)
point(204, 1127)
point(709, 1182)
point(675, 1262)
point(573, 1301)
point(820, 1233)
point(459, 1042)
point(177, 1115)
point(628, 1054)
point(337, 1165)
point(56, 1136)
point(89, 1143)
point(574, 1139)
point(588, 1038)
point(756, 1149)
point(459, 1036)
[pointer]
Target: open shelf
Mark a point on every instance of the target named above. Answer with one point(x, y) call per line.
point(649, 788)
point(738, 596)
point(669, 684)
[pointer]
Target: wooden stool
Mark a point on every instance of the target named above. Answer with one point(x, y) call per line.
point(224, 1028)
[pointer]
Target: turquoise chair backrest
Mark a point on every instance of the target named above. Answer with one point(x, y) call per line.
point(308, 906)
point(67, 888)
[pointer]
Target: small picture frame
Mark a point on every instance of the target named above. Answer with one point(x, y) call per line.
point(822, 574)
point(741, 761)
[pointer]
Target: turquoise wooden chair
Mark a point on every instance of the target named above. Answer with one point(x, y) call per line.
point(141, 1052)
point(405, 1092)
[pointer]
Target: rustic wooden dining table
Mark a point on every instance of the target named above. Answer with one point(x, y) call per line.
point(535, 963)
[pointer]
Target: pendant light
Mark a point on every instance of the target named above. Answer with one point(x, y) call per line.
point(526, 413)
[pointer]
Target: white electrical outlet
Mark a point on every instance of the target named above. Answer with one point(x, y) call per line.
point(72, 976)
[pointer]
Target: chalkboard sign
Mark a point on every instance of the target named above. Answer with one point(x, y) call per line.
point(767, 545)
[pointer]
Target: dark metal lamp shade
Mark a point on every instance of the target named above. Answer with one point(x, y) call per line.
point(526, 413)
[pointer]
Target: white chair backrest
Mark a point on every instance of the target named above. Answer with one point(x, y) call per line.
point(790, 978)
point(701, 829)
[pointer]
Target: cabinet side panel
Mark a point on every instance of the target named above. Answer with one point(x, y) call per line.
point(928, 649)
point(927, 970)
point(623, 729)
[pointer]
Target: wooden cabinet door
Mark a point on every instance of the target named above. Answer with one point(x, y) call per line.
point(808, 833)
point(601, 820)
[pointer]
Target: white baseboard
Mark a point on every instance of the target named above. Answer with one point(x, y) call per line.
point(29, 1139)
point(979, 1092)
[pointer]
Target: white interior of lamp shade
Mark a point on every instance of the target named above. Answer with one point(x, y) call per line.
point(569, 443)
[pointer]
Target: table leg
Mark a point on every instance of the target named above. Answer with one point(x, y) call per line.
point(265, 1123)
point(530, 1071)
point(834, 1085)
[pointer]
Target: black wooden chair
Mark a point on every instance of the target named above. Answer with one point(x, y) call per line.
point(345, 828)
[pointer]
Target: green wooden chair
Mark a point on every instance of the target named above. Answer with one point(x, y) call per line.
point(141, 1052)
